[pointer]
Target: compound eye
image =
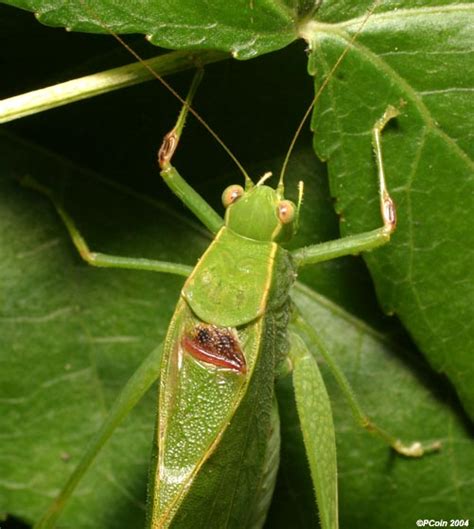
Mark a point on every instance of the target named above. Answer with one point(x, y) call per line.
point(286, 211)
point(231, 194)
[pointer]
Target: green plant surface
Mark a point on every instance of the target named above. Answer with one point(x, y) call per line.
point(72, 335)
point(428, 155)
point(244, 28)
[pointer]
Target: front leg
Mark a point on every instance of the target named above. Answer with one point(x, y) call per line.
point(178, 185)
point(355, 244)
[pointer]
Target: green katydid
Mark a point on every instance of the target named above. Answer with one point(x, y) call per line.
point(226, 344)
point(187, 344)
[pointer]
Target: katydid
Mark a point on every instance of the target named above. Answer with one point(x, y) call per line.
point(227, 342)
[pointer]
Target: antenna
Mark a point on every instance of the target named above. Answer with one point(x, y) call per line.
point(320, 91)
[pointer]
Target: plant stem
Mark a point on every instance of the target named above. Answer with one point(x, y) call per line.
point(101, 83)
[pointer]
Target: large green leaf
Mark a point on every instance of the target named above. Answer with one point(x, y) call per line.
point(244, 28)
point(378, 488)
point(425, 274)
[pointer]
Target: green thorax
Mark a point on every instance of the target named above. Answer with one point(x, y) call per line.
point(230, 285)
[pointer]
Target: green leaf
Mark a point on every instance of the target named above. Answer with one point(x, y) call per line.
point(245, 29)
point(133, 391)
point(376, 487)
point(424, 274)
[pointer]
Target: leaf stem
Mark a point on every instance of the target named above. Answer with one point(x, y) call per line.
point(102, 82)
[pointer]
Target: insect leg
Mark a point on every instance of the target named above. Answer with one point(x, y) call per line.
point(355, 244)
point(415, 449)
point(138, 384)
point(190, 198)
point(314, 411)
point(101, 259)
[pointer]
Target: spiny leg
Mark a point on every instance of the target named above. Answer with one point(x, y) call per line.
point(315, 415)
point(415, 449)
point(190, 198)
point(177, 184)
point(136, 387)
point(101, 259)
point(355, 244)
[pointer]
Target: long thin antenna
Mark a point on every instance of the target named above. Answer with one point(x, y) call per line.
point(321, 89)
point(169, 87)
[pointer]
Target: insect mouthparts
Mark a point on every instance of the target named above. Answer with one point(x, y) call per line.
point(264, 178)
